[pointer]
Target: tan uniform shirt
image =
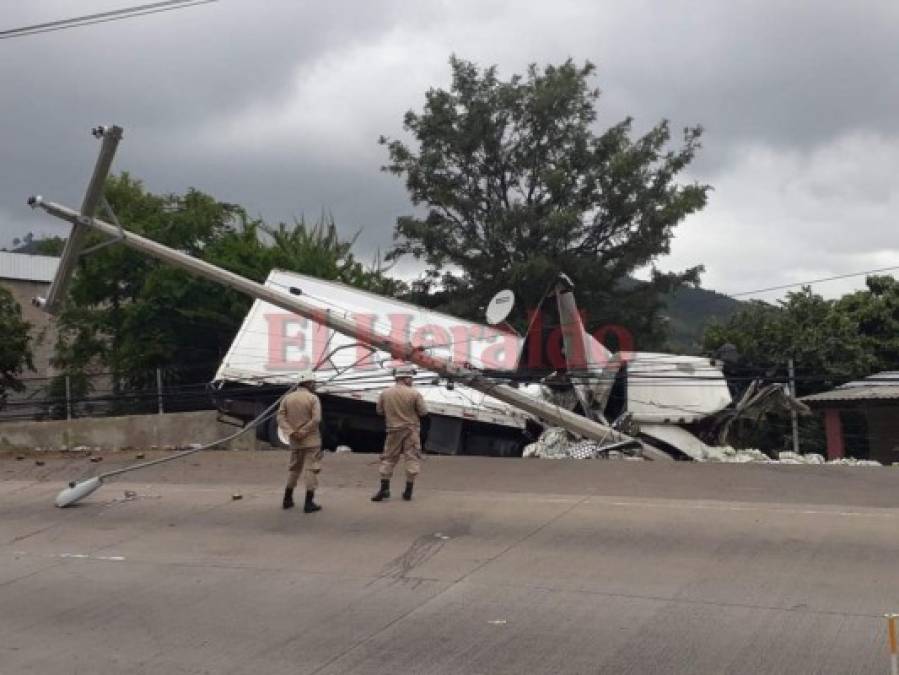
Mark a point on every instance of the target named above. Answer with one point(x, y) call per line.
point(402, 406)
point(298, 418)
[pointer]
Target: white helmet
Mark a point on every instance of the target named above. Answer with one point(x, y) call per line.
point(307, 375)
point(404, 371)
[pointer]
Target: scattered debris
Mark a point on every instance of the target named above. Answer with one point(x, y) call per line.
point(729, 455)
point(498, 622)
point(734, 456)
point(851, 461)
point(440, 535)
point(557, 443)
point(19, 458)
point(39, 462)
point(343, 448)
point(130, 494)
point(236, 496)
point(96, 459)
point(139, 455)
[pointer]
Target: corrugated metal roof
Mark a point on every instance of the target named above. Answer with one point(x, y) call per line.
point(25, 267)
point(879, 387)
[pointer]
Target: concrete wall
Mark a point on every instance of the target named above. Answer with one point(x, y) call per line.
point(134, 431)
point(883, 434)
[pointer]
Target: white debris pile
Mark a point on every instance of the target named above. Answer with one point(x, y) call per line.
point(557, 443)
point(729, 455)
point(852, 461)
point(796, 458)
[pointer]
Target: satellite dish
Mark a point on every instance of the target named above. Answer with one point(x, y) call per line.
point(500, 307)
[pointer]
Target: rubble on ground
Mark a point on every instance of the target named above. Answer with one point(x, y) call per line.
point(557, 443)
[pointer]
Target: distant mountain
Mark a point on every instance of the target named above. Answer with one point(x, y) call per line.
point(690, 311)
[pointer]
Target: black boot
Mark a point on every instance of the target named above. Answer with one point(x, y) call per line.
point(288, 498)
point(310, 506)
point(384, 492)
point(407, 493)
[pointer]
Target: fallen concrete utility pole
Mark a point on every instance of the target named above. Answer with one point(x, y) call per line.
point(547, 412)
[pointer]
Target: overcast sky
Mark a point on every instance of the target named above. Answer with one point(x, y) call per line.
point(278, 105)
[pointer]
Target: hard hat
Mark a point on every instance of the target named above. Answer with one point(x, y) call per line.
point(404, 371)
point(305, 376)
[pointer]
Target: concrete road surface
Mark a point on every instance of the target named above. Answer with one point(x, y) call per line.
point(497, 566)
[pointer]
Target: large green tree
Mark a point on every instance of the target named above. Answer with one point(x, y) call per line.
point(129, 314)
point(515, 185)
point(15, 345)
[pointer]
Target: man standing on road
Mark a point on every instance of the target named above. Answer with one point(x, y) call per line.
point(402, 408)
point(298, 419)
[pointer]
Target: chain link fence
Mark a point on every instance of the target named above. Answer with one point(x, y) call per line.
point(101, 394)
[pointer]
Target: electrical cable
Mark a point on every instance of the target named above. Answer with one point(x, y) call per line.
point(813, 281)
point(101, 17)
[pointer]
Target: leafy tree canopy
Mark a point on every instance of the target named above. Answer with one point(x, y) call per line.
point(15, 346)
point(831, 341)
point(129, 314)
point(516, 186)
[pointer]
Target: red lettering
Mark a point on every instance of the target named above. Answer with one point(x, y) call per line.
point(535, 339)
point(502, 355)
point(462, 339)
point(365, 324)
point(279, 342)
point(399, 333)
point(623, 338)
point(431, 336)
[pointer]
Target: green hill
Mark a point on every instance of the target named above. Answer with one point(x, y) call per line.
point(689, 311)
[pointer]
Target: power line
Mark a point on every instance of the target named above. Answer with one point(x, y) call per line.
point(815, 281)
point(101, 17)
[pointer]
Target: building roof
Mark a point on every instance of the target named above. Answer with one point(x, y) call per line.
point(878, 387)
point(25, 267)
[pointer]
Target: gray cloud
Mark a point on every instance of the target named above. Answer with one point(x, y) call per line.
point(278, 106)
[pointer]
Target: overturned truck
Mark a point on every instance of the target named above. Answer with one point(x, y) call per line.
point(668, 401)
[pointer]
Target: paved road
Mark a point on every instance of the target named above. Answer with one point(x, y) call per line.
point(498, 566)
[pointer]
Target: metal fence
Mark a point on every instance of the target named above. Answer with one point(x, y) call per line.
point(100, 394)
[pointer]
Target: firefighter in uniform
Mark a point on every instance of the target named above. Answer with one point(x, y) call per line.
point(402, 407)
point(299, 416)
